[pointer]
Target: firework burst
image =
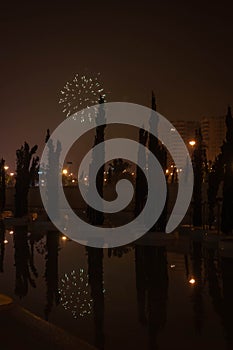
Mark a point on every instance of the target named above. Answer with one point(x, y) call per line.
point(75, 293)
point(81, 92)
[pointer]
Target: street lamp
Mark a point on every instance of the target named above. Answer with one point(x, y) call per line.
point(192, 281)
point(192, 143)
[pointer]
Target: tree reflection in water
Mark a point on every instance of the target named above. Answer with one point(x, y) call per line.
point(227, 309)
point(152, 289)
point(219, 274)
point(119, 251)
point(51, 271)
point(95, 273)
point(213, 277)
point(2, 244)
point(24, 262)
point(197, 288)
point(210, 273)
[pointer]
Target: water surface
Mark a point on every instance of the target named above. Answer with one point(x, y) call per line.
point(137, 297)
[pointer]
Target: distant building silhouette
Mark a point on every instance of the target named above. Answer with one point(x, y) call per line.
point(213, 132)
point(186, 129)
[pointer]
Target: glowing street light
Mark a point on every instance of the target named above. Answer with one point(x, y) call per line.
point(6, 167)
point(192, 143)
point(64, 171)
point(192, 281)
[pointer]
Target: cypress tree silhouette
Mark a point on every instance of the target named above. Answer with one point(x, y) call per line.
point(199, 165)
point(222, 170)
point(160, 153)
point(214, 178)
point(52, 172)
point(34, 176)
point(227, 153)
point(25, 175)
point(2, 185)
point(141, 183)
point(47, 136)
point(97, 217)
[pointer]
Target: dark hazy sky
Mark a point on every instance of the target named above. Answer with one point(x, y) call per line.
point(181, 50)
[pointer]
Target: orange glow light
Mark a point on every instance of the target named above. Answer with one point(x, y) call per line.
point(192, 281)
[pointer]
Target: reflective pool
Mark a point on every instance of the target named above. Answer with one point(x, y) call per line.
point(146, 296)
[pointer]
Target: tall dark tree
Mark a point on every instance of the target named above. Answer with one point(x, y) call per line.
point(141, 183)
point(199, 164)
point(97, 217)
point(159, 151)
point(215, 176)
point(34, 175)
point(222, 170)
point(109, 175)
point(25, 172)
point(47, 136)
point(52, 172)
point(174, 178)
point(2, 185)
point(227, 153)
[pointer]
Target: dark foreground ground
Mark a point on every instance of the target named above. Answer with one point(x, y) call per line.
point(21, 330)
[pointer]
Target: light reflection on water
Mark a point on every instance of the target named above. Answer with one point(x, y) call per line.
point(139, 297)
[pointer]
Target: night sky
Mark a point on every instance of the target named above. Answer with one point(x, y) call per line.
point(181, 50)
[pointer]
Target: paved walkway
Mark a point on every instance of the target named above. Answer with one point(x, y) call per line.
point(21, 330)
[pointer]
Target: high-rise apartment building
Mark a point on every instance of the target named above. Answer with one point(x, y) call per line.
point(214, 133)
point(186, 129)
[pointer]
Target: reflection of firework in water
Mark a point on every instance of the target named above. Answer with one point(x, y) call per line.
point(75, 293)
point(81, 92)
